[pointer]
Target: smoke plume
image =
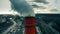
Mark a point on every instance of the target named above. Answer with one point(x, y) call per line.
point(22, 7)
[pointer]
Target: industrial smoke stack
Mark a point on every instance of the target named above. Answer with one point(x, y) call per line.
point(22, 7)
point(26, 10)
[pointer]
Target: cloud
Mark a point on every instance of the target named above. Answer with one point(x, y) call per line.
point(40, 7)
point(41, 1)
point(35, 6)
point(54, 10)
point(22, 7)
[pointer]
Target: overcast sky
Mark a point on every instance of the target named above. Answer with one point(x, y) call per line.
point(53, 6)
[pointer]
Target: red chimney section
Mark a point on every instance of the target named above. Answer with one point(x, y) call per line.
point(29, 24)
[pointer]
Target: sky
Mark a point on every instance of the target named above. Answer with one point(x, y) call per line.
point(45, 6)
